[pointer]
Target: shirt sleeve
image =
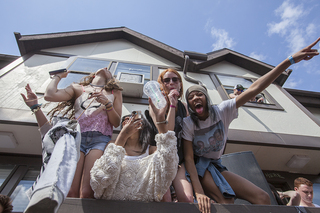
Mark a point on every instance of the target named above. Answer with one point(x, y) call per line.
point(228, 110)
point(166, 163)
point(106, 171)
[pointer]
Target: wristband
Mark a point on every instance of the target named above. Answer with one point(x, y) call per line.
point(291, 60)
point(35, 107)
point(162, 122)
point(173, 106)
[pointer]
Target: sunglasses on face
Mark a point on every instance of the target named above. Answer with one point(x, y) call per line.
point(174, 80)
point(241, 90)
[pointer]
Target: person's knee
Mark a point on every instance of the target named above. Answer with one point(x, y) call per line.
point(86, 193)
point(73, 193)
point(263, 198)
point(188, 198)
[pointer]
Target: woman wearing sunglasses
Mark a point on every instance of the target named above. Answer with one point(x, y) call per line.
point(171, 84)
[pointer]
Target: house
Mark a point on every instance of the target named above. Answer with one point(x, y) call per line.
point(281, 133)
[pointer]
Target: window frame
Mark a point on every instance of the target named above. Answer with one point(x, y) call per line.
point(225, 96)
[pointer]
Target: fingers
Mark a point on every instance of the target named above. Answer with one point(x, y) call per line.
point(24, 97)
point(314, 43)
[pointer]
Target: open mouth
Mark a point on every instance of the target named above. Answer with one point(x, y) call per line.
point(199, 108)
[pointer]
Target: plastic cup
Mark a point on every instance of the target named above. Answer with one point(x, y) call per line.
point(152, 90)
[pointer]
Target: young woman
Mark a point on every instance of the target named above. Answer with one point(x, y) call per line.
point(171, 84)
point(96, 103)
point(210, 179)
point(130, 169)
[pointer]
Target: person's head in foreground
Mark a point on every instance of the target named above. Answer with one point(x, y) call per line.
point(5, 204)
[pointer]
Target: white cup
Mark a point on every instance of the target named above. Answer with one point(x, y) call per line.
point(152, 90)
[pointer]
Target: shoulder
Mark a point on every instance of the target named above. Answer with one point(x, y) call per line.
point(152, 149)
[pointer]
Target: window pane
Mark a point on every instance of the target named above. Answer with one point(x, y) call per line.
point(19, 197)
point(133, 68)
point(5, 170)
point(316, 193)
point(71, 78)
point(230, 81)
point(88, 65)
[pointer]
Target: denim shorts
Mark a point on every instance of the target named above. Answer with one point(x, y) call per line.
point(93, 140)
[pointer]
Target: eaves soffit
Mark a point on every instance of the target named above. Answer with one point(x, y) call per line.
point(33, 43)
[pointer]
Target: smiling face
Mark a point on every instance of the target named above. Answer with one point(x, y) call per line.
point(198, 103)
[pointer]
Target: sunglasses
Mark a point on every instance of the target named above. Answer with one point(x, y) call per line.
point(241, 90)
point(174, 80)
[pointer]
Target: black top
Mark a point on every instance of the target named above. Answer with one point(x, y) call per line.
point(180, 114)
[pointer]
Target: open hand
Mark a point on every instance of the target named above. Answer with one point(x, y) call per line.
point(31, 98)
point(306, 53)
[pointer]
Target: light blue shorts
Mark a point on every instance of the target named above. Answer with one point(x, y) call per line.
point(93, 140)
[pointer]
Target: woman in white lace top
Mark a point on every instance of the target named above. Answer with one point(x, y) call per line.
point(130, 169)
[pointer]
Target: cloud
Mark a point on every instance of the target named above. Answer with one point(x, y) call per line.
point(291, 27)
point(222, 39)
point(257, 56)
point(292, 83)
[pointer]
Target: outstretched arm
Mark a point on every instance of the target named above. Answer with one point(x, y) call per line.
point(32, 100)
point(305, 54)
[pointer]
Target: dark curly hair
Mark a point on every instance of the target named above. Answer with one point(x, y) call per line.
point(6, 203)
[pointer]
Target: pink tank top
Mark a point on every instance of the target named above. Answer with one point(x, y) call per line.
point(94, 118)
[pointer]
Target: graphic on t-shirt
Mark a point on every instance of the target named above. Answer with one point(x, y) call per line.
point(210, 139)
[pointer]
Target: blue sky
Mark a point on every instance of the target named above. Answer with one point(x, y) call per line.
point(266, 30)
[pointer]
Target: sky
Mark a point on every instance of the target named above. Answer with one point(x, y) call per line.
point(269, 30)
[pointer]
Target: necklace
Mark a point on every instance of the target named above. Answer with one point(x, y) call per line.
point(101, 86)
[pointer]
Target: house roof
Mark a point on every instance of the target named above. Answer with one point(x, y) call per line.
point(33, 43)
point(306, 98)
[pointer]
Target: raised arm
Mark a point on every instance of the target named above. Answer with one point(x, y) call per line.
point(57, 95)
point(31, 100)
point(158, 117)
point(305, 54)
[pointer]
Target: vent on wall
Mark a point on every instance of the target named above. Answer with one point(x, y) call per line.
point(7, 140)
point(132, 84)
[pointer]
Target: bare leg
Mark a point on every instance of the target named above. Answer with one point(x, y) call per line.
point(182, 186)
point(90, 158)
point(246, 190)
point(75, 186)
point(167, 196)
point(211, 189)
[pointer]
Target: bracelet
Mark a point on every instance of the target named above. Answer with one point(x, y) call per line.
point(291, 60)
point(35, 107)
point(162, 122)
point(173, 106)
point(111, 108)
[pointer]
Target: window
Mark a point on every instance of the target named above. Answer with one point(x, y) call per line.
point(5, 171)
point(19, 196)
point(225, 85)
point(316, 193)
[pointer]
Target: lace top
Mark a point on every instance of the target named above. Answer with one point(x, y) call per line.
point(113, 177)
point(94, 118)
